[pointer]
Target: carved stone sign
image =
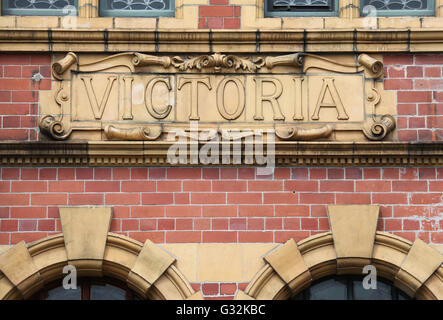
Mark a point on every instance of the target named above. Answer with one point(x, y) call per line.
point(135, 96)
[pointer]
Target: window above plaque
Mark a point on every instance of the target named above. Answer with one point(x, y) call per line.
point(288, 8)
point(384, 8)
point(107, 8)
point(137, 8)
point(39, 7)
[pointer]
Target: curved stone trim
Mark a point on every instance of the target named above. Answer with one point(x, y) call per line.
point(25, 278)
point(420, 263)
point(416, 268)
point(151, 263)
point(24, 269)
point(289, 265)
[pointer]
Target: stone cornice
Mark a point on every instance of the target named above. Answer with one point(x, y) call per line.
point(333, 40)
point(13, 153)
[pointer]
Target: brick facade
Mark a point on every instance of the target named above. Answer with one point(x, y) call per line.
point(223, 205)
point(417, 80)
point(205, 205)
point(219, 15)
point(22, 76)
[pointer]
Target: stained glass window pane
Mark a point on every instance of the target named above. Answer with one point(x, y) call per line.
point(382, 292)
point(107, 292)
point(40, 7)
point(350, 288)
point(397, 7)
point(332, 289)
point(279, 8)
point(61, 293)
point(137, 8)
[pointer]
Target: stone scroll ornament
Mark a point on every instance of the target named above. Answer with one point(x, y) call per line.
point(52, 125)
point(60, 125)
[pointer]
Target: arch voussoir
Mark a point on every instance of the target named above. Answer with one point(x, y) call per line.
point(353, 242)
point(87, 244)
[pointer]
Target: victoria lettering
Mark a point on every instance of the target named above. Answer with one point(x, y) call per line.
point(268, 91)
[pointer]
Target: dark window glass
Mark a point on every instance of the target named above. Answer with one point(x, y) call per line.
point(278, 8)
point(137, 8)
point(397, 7)
point(60, 293)
point(87, 289)
point(350, 288)
point(107, 292)
point(332, 288)
point(39, 7)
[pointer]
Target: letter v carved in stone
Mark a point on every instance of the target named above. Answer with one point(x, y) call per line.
point(97, 108)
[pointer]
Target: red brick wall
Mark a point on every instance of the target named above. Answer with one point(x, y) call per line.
point(219, 15)
point(416, 78)
point(219, 290)
point(171, 205)
point(19, 94)
point(419, 85)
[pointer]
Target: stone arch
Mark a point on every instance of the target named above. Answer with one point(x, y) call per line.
point(85, 243)
point(416, 268)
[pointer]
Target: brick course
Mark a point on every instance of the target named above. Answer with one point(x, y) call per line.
point(19, 94)
point(419, 95)
point(251, 209)
point(225, 205)
point(219, 15)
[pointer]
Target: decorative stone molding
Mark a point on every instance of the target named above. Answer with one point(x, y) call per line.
point(134, 96)
point(25, 268)
point(218, 62)
point(59, 67)
point(377, 130)
point(137, 134)
point(53, 128)
point(415, 268)
point(294, 133)
point(287, 153)
point(340, 39)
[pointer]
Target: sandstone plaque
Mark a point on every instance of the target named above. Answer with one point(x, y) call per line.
point(136, 96)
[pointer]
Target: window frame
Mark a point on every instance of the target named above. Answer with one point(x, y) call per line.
point(85, 284)
point(348, 281)
point(281, 14)
point(430, 11)
point(6, 11)
point(102, 12)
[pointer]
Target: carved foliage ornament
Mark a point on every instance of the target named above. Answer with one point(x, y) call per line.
point(136, 96)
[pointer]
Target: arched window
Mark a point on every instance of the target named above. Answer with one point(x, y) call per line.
point(349, 288)
point(87, 289)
